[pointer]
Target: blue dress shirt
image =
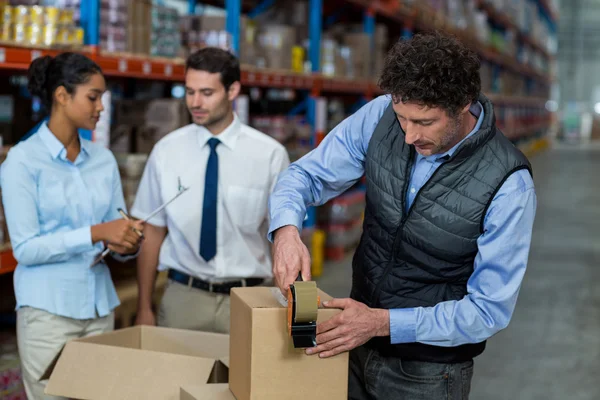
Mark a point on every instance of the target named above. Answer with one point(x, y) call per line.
point(503, 248)
point(51, 204)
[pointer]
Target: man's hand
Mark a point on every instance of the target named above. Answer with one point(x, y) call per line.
point(290, 256)
point(145, 317)
point(351, 328)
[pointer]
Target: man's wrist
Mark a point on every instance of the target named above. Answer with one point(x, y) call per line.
point(383, 322)
point(285, 230)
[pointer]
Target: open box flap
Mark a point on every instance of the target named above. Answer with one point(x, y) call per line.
point(129, 338)
point(93, 371)
point(212, 392)
point(185, 342)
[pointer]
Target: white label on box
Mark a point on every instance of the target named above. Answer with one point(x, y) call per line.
point(147, 68)
point(122, 65)
point(2, 55)
point(35, 54)
point(168, 70)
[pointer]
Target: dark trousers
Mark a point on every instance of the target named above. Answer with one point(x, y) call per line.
point(372, 376)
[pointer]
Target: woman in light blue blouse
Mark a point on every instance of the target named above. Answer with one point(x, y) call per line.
point(61, 195)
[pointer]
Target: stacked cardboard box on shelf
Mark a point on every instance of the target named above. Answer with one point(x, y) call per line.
point(165, 37)
point(293, 132)
point(344, 48)
point(139, 26)
point(139, 124)
point(113, 25)
point(199, 31)
point(341, 219)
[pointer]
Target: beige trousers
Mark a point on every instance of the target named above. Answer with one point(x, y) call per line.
point(40, 337)
point(184, 307)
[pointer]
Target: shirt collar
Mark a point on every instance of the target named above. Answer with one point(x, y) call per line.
point(52, 143)
point(228, 137)
point(477, 110)
point(56, 148)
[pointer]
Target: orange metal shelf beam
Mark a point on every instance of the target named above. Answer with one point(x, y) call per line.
point(7, 262)
point(18, 58)
point(276, 78)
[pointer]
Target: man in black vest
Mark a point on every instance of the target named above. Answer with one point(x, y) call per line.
point(447, 229)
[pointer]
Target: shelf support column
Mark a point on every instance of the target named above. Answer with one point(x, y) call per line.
point(234, 11)
point(90, 21)
point(315, 27)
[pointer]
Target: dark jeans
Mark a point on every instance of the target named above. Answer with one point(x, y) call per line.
point(372, 376)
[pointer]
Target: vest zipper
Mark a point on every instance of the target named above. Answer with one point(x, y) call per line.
point(377, 292)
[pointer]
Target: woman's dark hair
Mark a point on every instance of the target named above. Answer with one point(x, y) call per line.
point(434, 70)
point(215, 60)
point(70, 70)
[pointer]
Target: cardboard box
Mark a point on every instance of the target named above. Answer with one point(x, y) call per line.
point(217, 391)
point(138, 363)
point(276, 42)
point(264, 365)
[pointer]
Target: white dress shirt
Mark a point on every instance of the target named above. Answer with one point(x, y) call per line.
point(249, 164)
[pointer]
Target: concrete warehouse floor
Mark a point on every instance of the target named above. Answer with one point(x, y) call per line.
point(551, 349)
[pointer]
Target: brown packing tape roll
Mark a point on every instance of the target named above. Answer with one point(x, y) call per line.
point(306, 301)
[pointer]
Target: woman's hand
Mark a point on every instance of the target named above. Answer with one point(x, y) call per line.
point(121, 235)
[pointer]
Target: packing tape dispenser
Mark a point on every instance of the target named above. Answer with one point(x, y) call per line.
point(303, 302)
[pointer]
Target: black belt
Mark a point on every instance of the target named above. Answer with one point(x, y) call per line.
point(223, 288)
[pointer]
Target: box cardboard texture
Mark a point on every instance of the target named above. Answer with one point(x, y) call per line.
point(264, 365)
point(217, 391)
point(138, 363)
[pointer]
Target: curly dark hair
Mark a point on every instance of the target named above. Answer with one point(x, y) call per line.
point(432, 69)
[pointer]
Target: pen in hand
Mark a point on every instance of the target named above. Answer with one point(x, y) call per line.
point(125, 216)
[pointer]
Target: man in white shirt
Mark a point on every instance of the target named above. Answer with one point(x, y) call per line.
point(213, 237)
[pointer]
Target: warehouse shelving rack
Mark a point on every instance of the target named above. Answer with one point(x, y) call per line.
point(316, 84)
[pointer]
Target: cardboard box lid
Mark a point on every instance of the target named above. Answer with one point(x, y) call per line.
point(137, 363)
point(206, 392)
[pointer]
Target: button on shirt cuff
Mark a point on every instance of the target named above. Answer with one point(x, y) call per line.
point(284, 219)
point(79, 240)
point(403, 325)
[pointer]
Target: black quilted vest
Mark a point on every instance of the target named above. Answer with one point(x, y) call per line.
point(426, 256)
